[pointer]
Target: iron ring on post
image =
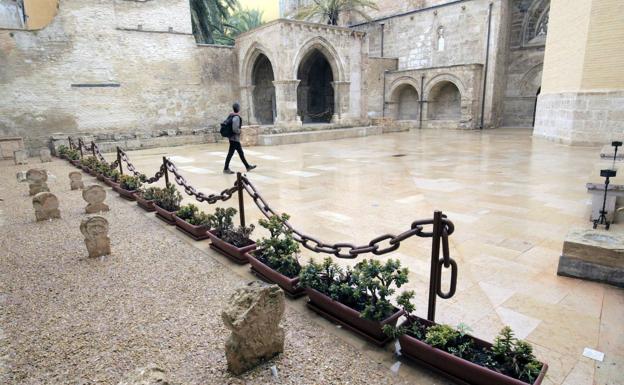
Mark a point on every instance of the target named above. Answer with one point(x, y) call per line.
point(453, 287)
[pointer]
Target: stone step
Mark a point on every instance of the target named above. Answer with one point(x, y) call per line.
point(317, 136)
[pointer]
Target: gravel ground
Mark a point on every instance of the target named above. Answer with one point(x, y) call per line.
point(68, 319)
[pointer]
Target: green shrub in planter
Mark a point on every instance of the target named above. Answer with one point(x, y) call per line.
point(73, 154)
point(222, 224)
point(62, 150)
point(90, 162)
point(149, 194)
point(192, 215)
point(129, 182)
point(366, 288)
point(279, 251)
point(168, 198)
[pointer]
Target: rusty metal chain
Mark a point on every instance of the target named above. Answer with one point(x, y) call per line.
point(199, 196)
point(124, 157)
point(380, 245)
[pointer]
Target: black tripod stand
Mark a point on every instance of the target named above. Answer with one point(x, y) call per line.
point(602, 219)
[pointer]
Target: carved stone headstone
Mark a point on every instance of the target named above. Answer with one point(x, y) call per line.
point(150, 375)
point(253, 314)
point(21, 176)
point(95, 196)
point(46, 206)
point(20, 157)
point(37, 181)
point(45, 155)
point(75, 180)
point(95, 231)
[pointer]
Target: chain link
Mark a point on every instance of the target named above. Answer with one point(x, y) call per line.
point(348, 250)
point(199, 196)
point(124, 157)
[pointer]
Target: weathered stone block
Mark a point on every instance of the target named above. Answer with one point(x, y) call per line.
point(37, 181)
point(253, 314)
point(20, 157)
point(46, 206)
point(595, 255)
point(95, 195)
point(75, 180)
point(45, 155)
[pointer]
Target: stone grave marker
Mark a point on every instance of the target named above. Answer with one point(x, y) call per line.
point(45, 155)
point(75, 180)
point(95, 231)
point(37, 181)
point(95, 196)
point(253, 314)
point(46, 206)
point(20, 157)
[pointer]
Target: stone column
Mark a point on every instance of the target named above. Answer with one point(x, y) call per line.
point(248, 104)
point(286, 102)
point(341, 101)
point(582, 96)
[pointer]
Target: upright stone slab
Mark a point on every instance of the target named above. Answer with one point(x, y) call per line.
point(75, 180)
point(95, 231)
point(149, 375)
point(37, 181)
point(45, 155)
point(20, 157)
point(253, 314)
point(596, 255)
point(46, 206)
point(95, 196)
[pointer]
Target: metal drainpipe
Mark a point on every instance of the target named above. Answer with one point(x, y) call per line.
point(383, 101)
point(487, 62)
point(382, 39)
point(422, 102)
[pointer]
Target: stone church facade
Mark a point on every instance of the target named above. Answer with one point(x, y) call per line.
point(129, 73)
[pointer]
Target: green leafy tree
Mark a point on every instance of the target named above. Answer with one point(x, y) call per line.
point(330, 10)
point(208, 17)
point(241, 21)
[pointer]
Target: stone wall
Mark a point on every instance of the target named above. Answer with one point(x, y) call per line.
point(116, 69)
point(374, 80)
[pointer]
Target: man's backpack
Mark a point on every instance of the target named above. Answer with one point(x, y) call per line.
point(226, 127)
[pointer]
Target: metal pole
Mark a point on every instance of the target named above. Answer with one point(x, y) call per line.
point(80, 146)
point(93, 148)
point(435, 255)
point(422, 101)
point(119, 161)
point(166, 172)
point(382, 39)
point(71, 144)
point(241, 203)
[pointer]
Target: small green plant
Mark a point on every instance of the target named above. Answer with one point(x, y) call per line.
point(222, 222)
point(113, 175)
point(168, 198)
point(129, 182)
point(149, 194)
point(73, 154)
point(514, 357)
point(377, 280)
point(192, 215)
point(90, 162)
point(279, 251)
point(62, 150)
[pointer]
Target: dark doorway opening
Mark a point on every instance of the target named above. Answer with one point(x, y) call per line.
point(315, 94)
point(264, 90)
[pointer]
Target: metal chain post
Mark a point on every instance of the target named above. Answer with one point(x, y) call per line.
point(241, 203)
point(119, 161)
point(166, 172)
point(435, 253)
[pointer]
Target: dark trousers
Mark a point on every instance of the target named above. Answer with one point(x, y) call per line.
point(235, 146)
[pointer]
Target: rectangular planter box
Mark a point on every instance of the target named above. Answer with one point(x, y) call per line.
point(198, 233)
point(455, 368)
point(100, 177)
point(109, 182)
point(144, 203)
point(126, 194)
point(289, 285)
point(167, 216)
point(350, 318)
point(236, 254)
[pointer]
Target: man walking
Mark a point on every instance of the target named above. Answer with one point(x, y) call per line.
point(235, 121)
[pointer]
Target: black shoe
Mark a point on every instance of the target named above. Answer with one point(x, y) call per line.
point(228, 171)
point(251, 167)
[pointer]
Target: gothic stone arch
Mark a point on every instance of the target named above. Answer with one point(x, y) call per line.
point(446, 100)
point(404, 100)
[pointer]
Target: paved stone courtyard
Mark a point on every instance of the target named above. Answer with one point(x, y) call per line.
point(511, 197)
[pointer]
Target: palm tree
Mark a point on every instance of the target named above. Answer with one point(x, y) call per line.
point(207, 17)
point(330, 10)
point(242, 21)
